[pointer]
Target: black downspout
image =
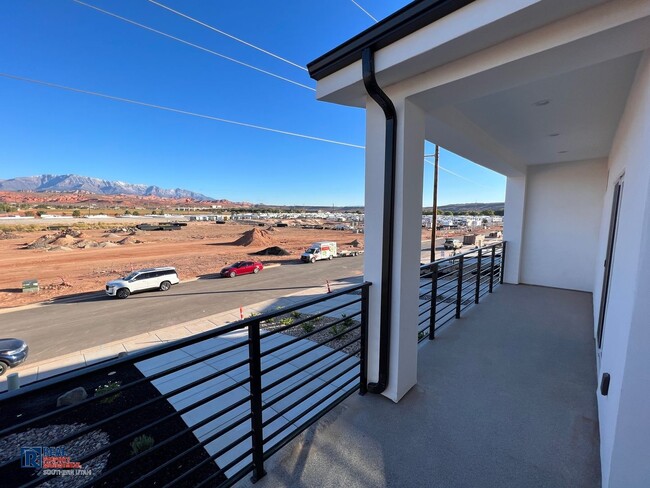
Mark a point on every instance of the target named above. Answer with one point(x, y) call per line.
point(387, 106)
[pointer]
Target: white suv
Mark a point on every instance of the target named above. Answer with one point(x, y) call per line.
point(143, 279)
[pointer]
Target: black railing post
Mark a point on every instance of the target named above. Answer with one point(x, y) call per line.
point(434, 301)
point(492, 268)
point(478, 276)
point(459, 291)
point(363, 373)
point(503, 261)
point(254, 349)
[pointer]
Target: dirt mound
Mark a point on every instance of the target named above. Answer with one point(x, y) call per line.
point(255, 237)
point(64, 240)
point(108, 244)
point(129, 240)
point(7, 235)
point(272, 251)
point(86, 243)
point(354, 243)
point(111, 235)
point(42, 242)
point(59, 248)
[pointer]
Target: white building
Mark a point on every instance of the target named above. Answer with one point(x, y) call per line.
point(555, 96)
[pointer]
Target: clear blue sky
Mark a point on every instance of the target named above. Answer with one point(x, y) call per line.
point(47, 130)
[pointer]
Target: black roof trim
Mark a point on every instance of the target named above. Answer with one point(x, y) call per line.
point(405, 21)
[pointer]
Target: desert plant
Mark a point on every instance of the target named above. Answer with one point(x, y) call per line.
point(295, 314)
point(141, 444)
point(107, 388)
point(286, 321)
point(308, 326)
point(253, 314)
point(337, 329)
point(347, 321)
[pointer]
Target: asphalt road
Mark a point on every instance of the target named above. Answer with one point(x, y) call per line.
point(71, 324)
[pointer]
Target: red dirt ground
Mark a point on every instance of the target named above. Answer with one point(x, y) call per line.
point(200, 248)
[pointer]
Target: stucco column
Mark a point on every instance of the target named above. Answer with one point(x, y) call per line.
point(513, 226)
point(406, 246)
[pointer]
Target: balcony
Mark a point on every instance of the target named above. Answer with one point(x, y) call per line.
point(505, 398)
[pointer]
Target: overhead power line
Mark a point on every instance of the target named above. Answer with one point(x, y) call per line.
point(456, 174)
point(364, 11)
point(178, 39)
point(212, 28)
point(178, 111)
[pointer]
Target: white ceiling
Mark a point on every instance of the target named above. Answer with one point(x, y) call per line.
point(584, 108)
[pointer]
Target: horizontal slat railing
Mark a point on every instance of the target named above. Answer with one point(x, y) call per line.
point(451, 285)
point(208, 409)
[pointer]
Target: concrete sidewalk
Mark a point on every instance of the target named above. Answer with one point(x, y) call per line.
point(31, 372)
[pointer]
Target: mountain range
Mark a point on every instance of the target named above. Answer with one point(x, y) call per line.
point(72, 183)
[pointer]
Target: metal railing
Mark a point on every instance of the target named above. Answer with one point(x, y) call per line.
point(449, 286)
point(202, 411)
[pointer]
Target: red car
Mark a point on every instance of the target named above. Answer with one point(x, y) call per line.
point(242, 267)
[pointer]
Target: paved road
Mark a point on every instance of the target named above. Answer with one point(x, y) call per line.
point(72, 324)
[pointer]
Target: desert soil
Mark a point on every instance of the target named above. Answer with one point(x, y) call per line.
point(72, 263)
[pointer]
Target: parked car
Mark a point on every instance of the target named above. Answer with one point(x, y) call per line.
point(142, 280)
point(452, 244)
point(241, 268)
point(12, 353)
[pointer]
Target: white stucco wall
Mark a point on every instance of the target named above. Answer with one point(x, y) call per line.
point(562, 223)
point(624, 413)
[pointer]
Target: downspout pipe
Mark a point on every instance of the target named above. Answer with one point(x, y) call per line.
point(376, 93)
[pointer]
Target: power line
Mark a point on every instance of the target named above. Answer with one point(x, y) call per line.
point(176, 110)
point(228, 58)
point(212, 28)
point(456, 174)
point(364, 11)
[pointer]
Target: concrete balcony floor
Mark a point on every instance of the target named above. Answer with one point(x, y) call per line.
point(506, 397)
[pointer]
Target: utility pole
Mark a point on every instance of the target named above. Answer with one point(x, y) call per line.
point(434, 218)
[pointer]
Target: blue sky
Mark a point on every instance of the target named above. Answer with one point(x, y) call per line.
point(47, 130)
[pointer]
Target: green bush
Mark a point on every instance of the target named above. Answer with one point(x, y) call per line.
point(141, 444)
point(308, 326)
point(347, 321)
point(107, 388)
point(286, 321)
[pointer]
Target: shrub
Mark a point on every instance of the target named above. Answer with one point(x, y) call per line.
point(107, 388)
point(141, 444)
point(76, 213)
point(308, 326)
point(286, 321)
point(295, 314)
point(347, 321)
point(338, 329)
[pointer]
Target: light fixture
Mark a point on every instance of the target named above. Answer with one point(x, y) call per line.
point(562, 152)
point(541, 103)
point(554, 134)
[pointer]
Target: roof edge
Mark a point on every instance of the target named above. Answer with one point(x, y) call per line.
point(412, 17)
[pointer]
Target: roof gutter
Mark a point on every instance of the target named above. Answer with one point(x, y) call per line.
point(412, 17)
point(390, 150)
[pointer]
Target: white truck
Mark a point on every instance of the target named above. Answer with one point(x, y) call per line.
point(318, 251)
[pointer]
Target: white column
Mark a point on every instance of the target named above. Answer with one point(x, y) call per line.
point(513, 226)
point(402, 374)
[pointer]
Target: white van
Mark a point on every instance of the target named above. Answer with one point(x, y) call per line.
point(318, 251)
point(141, 280)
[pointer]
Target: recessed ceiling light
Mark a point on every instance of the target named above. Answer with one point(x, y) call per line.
point(562, 152)
point(541, 103)
point(554, 134)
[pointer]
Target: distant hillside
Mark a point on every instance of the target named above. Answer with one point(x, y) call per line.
point(71, 183)
point(469, 207)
